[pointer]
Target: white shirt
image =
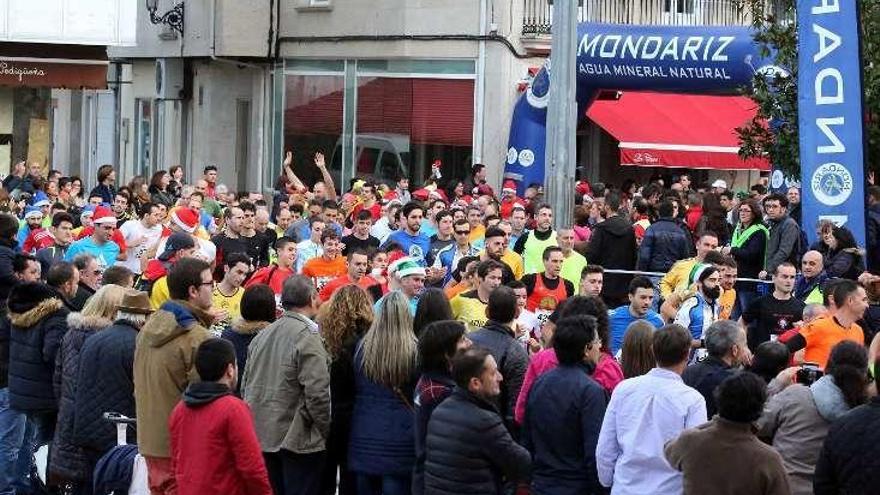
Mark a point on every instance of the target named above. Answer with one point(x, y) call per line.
point(207, 251)
point(645, 412)
point(133, 230)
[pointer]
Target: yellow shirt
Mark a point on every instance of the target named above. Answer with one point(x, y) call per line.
point(477, 233)
point(231, 304)
point(728, 298)
point(515, 262)
point(677, 277)
point(468, 309)
point(572, 268)
point(159, 293)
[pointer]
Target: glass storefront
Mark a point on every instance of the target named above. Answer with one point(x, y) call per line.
point(379, 119)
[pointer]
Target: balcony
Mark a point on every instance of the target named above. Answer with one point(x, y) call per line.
point(538, 15)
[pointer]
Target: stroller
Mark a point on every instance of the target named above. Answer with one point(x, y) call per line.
point(122, 470)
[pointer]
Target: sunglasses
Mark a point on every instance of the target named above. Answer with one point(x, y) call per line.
point(462, 232)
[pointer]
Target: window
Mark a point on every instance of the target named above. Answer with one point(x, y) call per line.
point(143, 136)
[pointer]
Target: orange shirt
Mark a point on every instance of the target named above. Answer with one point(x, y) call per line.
point(332, 286)
point(323, 271)
point(824, 333)
point(456, 289)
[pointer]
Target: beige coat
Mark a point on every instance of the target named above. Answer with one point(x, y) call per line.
point(287, 384)
point(164, 360)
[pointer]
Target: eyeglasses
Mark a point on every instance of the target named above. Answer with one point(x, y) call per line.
point(462, 232)
point(207, 283)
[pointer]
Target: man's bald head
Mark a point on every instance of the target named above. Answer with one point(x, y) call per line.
point(812, 264)
point(813, 311)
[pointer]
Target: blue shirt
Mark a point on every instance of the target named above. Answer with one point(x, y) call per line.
point(619, 320)
point(415, 246)
point(105, 254)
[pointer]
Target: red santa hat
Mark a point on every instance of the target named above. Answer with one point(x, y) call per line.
point(103, 215)
point(186, 218)
point(508, 186)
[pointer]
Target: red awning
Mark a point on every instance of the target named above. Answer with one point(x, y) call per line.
point(677, 130)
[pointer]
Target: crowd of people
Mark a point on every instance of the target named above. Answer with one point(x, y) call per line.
point(672, 337)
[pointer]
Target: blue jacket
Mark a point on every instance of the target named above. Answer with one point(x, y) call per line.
point(664, 244)
point(105, 383)
point(696, 314)
point(415, 246)
point(561, 428)
point(382, 441)
point(705, 377)
point(447, 255)
point(241, 333)
point(38, 326)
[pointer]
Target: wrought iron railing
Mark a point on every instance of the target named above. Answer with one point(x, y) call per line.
point(538, 14)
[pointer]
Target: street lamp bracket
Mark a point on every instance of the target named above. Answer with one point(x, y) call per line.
point(173, 18)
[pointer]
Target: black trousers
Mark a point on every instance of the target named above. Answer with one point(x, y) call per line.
point(295, 474)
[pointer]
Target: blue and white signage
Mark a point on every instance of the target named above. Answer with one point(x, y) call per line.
point(687, 59)
point(830, 115)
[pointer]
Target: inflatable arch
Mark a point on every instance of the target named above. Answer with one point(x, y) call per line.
point(684, 59)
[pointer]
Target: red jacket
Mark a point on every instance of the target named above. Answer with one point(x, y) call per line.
point(214, 449)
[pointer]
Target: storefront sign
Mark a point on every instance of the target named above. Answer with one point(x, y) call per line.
point(830, 113)
point(74, 75)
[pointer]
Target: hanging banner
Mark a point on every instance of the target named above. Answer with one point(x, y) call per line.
point(830, 115)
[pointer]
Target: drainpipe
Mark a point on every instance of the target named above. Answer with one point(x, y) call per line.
point(481, 85)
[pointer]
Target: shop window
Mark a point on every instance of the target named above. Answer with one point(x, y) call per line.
point(313, 122)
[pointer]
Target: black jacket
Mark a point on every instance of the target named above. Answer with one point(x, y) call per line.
point(561, 428)
point(241, 333)
point(705, 377)
point(872, 237)
point(39, 321)
point(469, 451)
point(8, 250)
point(613, 245)
point(105, 384)
point(67, 461)
point(83, 293)
point(664, 244)
point(850, 458)
point(512, 361)
point(750, 257)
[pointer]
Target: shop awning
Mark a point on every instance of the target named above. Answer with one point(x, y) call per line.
point(44, 65)
point(677, 130)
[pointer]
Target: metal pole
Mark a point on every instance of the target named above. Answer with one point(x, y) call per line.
point(560, 155)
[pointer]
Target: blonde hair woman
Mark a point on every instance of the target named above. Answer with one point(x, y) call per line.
point(382, 442)
point(342, 321)
point(67, 463)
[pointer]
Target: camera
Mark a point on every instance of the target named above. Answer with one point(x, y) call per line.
point(808, 373)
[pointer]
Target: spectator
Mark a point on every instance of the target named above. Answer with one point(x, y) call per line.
point(699, 312)
point(872, 229)
point(64, 278)
point(810, 283)
point(163, 363)
point(847, 461)
point(118, 275)
point(38, 322)
point(613, 245)
point(641, 296)
point(104, 379)
point(498, 336)
point(433, 306)
point(257, 312)
point(664, 243)
point(68, 462)
point(702, 454)
point(769, 359)
point(381, 448)
point(644, 414)
point(785, 234)
point(678, 277)
point(844, 259)
point(90, 276)
point(637, 353)
point(797, 417)
point(438, 343)
point(474, 461)
point(159, 189)
point(105, 187)
point(213, 445)
point(748, 246)
point(26, 268)
point(725, 342)
point(343, 322)
point(564, 413)
point(292, 409)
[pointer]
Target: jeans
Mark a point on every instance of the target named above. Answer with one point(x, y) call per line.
point(295, 474)
point(15, 458)
point(383, 485)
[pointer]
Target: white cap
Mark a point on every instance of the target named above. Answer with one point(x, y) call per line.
point(719, 183)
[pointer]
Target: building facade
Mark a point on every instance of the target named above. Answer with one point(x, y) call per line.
point(383, 88)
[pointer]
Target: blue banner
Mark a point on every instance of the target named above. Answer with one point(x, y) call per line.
point(830, 115)
point(686, 59)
